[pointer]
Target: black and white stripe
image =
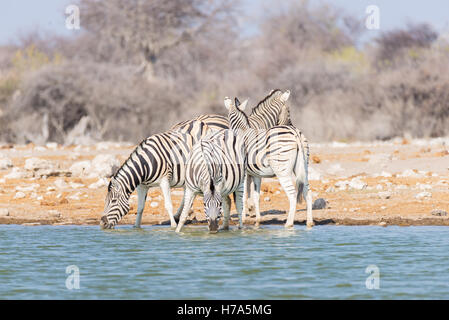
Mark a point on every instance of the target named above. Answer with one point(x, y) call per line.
point(216, 168)
point(158, 160)
point(281, 151)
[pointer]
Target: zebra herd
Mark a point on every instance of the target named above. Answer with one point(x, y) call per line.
point(217, 156)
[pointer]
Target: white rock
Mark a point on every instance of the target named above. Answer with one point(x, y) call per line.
point(266, 199)
point(357, 184)
point(5, 163)
point(51, 188)
point(39, 149)
point(424, 194)
point(52, 145)
point(408, 173)
point(29, 188)
point(33, 164)
point(154, 204)
point(19, 195)
point(342, 185)
point(384, 195)
point(80, 168)
point(379, 187)
point(425, 186)
point(75, 196)
point(4, 212)
point(102, 182)
point(75, 185)
point(103, 166)
point(17, 173)
point(60, 184)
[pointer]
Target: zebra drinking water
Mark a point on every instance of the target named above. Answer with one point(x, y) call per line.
point(269, 112)
point(158, 160)
point(281, 151)
point(216, 168)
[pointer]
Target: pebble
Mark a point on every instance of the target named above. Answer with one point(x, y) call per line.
point(154, 204)
point(383, 224)
point(439, 213)
point(4, 212)
point(384, 195)
point(423, 195)
point(20, 195)
point(266, 199)
point(319, 204)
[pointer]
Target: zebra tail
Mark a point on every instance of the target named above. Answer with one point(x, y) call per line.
point(301, 166)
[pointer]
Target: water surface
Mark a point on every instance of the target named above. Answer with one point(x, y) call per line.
point(327, 262)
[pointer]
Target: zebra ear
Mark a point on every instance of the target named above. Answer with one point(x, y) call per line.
point(228, 103)
point(285, 95)
point(237, 101)
point(242, 106)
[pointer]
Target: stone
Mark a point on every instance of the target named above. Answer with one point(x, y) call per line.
point(439, 213)
point(29, 188)
point(384, 195)
point(154, 204)
point(17, 173)
point(60, 184)
point(19, 195)
point(4, 212)
point(5, 163)
point(80, 168)
point(357, 184)
point(266, 199)
point(103, 166)
point(423, 195)
point(319, 204)
point(383, 224)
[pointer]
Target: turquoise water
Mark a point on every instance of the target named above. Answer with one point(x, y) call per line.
point(327, 262)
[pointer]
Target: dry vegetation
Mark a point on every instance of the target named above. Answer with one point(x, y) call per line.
point(133, 71)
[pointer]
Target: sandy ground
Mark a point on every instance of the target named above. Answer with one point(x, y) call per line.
point(399, 182)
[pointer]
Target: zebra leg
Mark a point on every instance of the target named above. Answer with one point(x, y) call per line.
point(142, 192)
point(290, 190)
point(245, 196)
point(239, 203)
point(165, 186)
point(308, 196)
point(178, 212)
point(249, 199)
point(226, 212)
point(256, 198)
point(189, 196)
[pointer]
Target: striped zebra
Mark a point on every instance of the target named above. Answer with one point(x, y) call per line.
point(281, 151)
point(158, 160)
point(269, 112)
point(216, 168)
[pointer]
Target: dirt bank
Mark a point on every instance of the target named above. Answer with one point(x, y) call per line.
point(398, 182)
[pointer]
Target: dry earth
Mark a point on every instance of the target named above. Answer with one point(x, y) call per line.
point(400, 182)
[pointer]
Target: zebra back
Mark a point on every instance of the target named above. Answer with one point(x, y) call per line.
point(267, 112)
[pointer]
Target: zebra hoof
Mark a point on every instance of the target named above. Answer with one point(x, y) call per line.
point(289, 226)
point(310, 225)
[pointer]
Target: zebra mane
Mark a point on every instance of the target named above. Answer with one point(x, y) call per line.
point(255, 110)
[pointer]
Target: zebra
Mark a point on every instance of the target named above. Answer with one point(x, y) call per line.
point(281, 151)
point(269, 112)
point(159, 160)
point(216, 168)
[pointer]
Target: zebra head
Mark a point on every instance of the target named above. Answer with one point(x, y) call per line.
point(238, 120)
point(213, 207)
point(116, 205)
